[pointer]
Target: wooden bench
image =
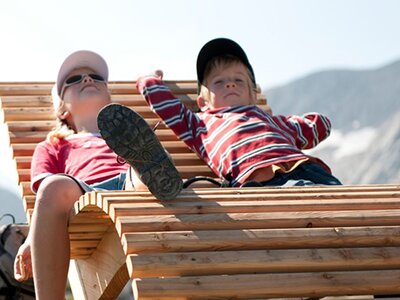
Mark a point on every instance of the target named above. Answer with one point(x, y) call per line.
point(214, 243)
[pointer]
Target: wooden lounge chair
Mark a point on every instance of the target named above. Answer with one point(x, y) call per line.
point(214, 243)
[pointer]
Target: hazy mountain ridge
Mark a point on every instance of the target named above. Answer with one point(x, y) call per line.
point(350, 98)
point(356, 102)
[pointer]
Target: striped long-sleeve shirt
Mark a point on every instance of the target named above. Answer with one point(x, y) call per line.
point(235, 141)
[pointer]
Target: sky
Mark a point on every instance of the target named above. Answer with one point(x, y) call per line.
point(284, 39)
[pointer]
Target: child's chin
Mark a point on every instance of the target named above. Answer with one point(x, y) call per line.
point(92, 95)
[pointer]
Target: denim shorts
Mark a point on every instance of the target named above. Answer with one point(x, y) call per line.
point(116, 183)
point(307, 174)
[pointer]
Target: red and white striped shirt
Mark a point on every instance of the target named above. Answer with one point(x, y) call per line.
point(236, 141)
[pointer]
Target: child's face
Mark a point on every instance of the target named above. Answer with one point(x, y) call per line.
point(229, 86)
point(84, 99)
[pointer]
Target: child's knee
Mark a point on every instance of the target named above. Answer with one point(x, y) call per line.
point(58, 193)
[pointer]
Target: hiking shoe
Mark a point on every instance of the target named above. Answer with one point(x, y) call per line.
point(130, 137)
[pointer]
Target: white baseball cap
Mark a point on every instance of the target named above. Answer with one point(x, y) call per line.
point(81, 59)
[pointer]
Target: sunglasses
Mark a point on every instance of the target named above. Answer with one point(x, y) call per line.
point(75, 79)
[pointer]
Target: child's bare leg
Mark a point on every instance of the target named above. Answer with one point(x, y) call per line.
point(49, 235)
point(133, 182)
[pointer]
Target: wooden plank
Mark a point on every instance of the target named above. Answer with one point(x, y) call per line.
point(23, 149)
point(258, 220)
point(273, 285)
point(171, 146)
point(197, 170)
point(38, 136)
point(120, 206)
point(77, 236)
point(115, 87)
point(40, 125)
point(104, 274)
point(24, 175)
point(47, 113)
point(268, 194)
point(257, 239)
point(27, 136)
point(23, 162)
point(262, 261)
point(25, 188)
point(26, 101)
point(29, 114)
point(25, 88)
point(29, 202)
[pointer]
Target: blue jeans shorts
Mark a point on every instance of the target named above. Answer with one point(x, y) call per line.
point(116, 183)
point(307, 174)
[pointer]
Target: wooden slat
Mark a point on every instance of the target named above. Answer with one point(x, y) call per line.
point(256, 239)
point(126, 207)
point(26, 101)
point(25, 188)
point(263, 286)
point(47, 113)
point(20, 88)
point(29, 202)
point(128, 87)
point(23, 162)
point(41, 125)
point(23, 149)
point(25, 137)
point(171, 146)
point(261, 261)
point(277, 193)
point(257, 220)
point(180, 159)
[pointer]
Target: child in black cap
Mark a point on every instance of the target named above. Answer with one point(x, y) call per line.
point(239, 141)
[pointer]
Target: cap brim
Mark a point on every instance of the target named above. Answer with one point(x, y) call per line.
point(81, 59)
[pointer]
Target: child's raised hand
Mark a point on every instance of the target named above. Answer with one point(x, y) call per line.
point(159, 74)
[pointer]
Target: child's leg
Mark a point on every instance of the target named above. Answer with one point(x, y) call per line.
point(48, 236)
point(133, 182)
point(129, 136)
point(308, 173)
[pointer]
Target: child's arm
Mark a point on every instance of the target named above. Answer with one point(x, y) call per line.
point(310, 129)
point(170, 109)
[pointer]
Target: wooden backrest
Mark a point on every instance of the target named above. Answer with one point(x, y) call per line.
point(27, 110)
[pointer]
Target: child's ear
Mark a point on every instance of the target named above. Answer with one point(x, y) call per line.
point(202, 103)
point(253, 93)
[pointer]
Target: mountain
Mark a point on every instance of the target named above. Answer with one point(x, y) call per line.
point(364, 107)
point(350, 98)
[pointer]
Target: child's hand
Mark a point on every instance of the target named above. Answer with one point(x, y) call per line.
point(159, 74)
point(23, 263)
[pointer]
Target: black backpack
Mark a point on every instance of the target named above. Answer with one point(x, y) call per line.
point(11, 237)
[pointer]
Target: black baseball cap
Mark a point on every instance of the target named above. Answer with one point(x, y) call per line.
point(219, 47)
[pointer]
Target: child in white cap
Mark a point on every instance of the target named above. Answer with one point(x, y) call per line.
point(73, 160)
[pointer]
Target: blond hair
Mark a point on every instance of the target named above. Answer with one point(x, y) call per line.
point(223, 61)
point(62, 128)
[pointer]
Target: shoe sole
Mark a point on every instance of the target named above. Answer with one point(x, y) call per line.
point(129, 136)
